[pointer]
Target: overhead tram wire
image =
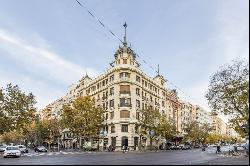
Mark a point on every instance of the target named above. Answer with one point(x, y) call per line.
point(114, 35)
point(98, 20)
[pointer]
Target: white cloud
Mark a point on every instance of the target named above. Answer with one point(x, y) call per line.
point(45, 67)
point(36, 57)
point(44, 93)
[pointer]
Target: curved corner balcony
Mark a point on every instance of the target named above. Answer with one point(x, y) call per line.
point(125, 79)
point(125, 93)
point(124, 105)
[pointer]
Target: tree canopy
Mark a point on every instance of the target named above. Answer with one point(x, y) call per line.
point(16, 109)
point(229, 94)
point(82, 117)
point(197, 132)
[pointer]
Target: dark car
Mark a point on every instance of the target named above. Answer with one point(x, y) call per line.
point(2, 148)
point(186, 147)
point(40, 149)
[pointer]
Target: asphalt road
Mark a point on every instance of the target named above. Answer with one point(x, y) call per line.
point(181, 157)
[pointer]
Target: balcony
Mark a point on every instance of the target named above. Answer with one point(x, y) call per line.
point(124, 78)
point(125, 93)
point(124, 105)
point(104, 98)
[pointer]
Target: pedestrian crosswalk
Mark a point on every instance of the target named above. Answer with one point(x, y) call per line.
point(55, 153)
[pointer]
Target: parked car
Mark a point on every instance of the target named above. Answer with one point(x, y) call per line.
point(40, 149)
point(23, 149)
point(2, 148)
point(175, 147)
point(12, 151)
point(181, 146)
point(186, 147)
point(197, 146)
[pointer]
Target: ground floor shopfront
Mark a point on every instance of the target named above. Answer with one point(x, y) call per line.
point(117, 142)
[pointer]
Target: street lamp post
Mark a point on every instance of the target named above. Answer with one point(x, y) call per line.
point(151, 134)
point(103, 134)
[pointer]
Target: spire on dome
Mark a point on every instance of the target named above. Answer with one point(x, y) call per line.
point(125, 36)
point(158, 70)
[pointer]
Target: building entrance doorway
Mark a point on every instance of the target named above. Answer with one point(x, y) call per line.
point(125, 141)
point(113, 142)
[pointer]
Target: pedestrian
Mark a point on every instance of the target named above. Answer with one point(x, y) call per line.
point(204, 147)
point(218, 149)
point(123, 149)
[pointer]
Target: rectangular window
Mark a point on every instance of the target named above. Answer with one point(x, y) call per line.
point(103, 96)
point(112, 115)
point(124, 114)
point(163, 104)
point(107, 104)
point(125, 61)
point(137, 115)
point(112, 91)
point(112, 103)
point(136, 129)
point(125, 102)
point(112, 78)
point(124, 128)
point(137, 91)
point(138, 79)
point(124, 89)
point(112, 129)
point(138, 104)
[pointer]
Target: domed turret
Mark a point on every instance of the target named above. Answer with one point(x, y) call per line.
point(125, 55)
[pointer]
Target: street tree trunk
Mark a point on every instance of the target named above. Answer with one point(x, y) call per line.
point(151, 144)
point(140, 143)
point(80, 141)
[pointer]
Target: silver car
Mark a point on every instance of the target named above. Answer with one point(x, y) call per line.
point(12, 151)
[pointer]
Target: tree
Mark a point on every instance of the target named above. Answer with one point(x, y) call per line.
point(15, 137)
point(205, 129)
point(16, 109)
point(82, 118)
point(197, 132)
point(214, 138)
point(229, 94)
point(192, 130)
point(50, 127)
point(148, 121)
point(166, 129)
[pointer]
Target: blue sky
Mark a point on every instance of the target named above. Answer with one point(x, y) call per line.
point(46, 45)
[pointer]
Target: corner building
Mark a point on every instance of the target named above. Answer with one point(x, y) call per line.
point(122, 91)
